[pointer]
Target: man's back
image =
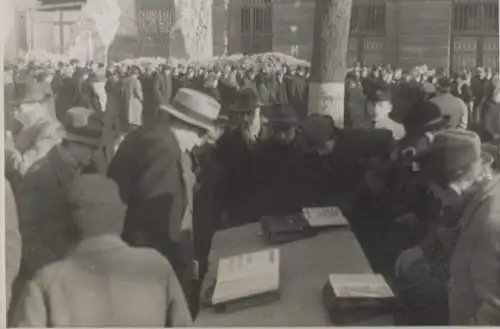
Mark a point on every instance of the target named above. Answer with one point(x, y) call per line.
point(104, 283)
point(452, 107)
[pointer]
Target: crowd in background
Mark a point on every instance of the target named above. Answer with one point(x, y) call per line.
point(160, 158)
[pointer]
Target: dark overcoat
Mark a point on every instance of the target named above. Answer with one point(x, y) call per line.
point(148, 169)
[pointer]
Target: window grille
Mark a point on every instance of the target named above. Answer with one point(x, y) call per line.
point(155, 23)
point(475, 17)
point(368, 17)
point(256, 26)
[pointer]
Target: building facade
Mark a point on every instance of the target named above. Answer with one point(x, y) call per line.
point(450, 34)
point(440, 33)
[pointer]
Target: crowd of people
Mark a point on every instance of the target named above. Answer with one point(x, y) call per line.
point(119, 176)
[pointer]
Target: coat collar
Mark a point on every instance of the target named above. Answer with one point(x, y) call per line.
point(100, 243)
point(476, 200)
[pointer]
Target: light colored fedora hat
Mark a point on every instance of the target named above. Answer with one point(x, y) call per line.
point(194, 108)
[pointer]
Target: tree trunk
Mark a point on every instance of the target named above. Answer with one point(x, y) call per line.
point(331, 35)
point(194, 22)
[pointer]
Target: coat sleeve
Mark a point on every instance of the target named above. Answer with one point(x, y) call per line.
point(491, 122)
point(178, 314)
point(12, 239)
point(31, 310)
point(122, 171)
point(485, 267)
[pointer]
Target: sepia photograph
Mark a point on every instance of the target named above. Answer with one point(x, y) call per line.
point(250, 163)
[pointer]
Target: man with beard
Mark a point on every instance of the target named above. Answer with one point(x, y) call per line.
point(47, 232)
point(235, 150)
point(153, 170)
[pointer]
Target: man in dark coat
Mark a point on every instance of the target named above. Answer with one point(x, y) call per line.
point(279, 93)
point(163, 85)
point(153, 170)
point(235, 149)
point(66, 93)
point(296, 91)
point(150, 100)
point(278, 164)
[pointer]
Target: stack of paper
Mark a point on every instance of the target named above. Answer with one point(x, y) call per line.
point(324, 217)
point(247, 275)
point(360, 286)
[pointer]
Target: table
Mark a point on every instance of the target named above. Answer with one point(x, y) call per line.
point(305, 265)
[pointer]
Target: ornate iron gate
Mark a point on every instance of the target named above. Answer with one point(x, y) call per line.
point(475, 34)
point(155, 21)
point(256, 26)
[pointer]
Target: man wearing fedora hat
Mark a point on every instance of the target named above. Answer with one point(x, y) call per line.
point(43, 216)
point(153, 170)
point(466, 235)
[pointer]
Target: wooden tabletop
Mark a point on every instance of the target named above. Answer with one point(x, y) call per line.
point(305, 265)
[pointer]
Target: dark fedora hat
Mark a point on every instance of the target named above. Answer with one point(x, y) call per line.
point(449, 153)
point(426, 115)
point(280, 115)
point(246, 102)
point(380, 92)
point(317, 130)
